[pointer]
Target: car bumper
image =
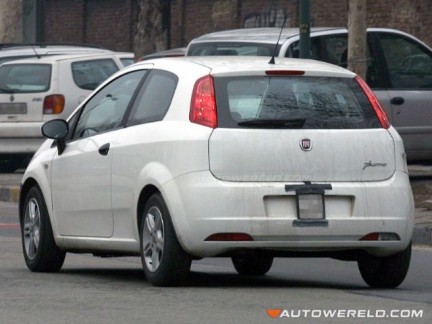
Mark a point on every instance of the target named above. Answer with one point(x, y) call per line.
point(201, 206)
point(22, 137)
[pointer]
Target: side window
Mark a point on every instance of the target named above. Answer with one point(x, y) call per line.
point(154, 98)
point(331, 49)
point(89, 74)
point(105, 110)
point(334, 49)
point(409, 63)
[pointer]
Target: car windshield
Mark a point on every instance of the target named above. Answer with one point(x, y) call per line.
point(25, 78)
point(293, 102)
point(221, 49)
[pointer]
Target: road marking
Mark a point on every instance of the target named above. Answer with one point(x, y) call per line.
point(3, 225)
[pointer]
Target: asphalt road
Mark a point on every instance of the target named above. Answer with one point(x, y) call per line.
point(94, 290)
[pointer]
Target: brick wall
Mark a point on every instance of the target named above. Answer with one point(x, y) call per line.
point(110, 23)
point(107, 23)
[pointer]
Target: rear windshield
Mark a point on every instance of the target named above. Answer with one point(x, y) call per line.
point(293, 102)
point(221, 49)
point(25, 78)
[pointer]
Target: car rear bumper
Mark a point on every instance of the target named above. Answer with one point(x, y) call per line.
point(201, 206)
point(22, 137)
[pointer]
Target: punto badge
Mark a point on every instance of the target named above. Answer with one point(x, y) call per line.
point(306, 144)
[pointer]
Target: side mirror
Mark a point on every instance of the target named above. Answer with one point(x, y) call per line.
point(56, 129)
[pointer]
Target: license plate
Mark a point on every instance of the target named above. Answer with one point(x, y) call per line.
point(13, 108)
point(310, 206)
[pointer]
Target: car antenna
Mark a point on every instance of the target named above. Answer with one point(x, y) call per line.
point(36, 53)
point(272, 60)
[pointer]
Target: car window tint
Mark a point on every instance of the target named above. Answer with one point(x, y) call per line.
point(154, 98)
point(25, 78)
point(233, 48)
point(326, 103)
point(89, 74)
point(409, 63)
point(334, 49)
point(105, 110)
point(127, 61)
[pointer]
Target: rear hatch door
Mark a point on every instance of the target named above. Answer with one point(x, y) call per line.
point(22, 91)
point(297, 128)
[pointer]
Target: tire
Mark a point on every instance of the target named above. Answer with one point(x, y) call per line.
point(252, 264)
point(164, 261)
point(385, 272)
point(41, 253)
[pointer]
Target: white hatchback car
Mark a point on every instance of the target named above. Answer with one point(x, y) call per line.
point(178, 159)
point(35, 90)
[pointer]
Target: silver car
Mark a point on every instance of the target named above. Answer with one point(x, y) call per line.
point(399, 70)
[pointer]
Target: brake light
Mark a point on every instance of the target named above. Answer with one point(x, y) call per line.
point(381, 114)
point(203, 104)
point(53, 104)
point(284, 72)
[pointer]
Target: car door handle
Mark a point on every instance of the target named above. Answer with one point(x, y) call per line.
point(104, 149)
point(397, 101)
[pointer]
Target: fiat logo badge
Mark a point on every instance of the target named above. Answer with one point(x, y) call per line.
point(306, 144)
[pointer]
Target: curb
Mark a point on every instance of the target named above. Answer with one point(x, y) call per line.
point(422, 235)
point(9, 193)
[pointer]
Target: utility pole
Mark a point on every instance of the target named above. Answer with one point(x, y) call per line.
point(357, 37)
point(11, 14)
point(304, 42)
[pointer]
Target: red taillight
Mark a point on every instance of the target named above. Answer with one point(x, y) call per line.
point(229, 237)
point(203, 104)
point(381, 114)
point(53, 104)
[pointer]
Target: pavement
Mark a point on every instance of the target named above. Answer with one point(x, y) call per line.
point(421, 183)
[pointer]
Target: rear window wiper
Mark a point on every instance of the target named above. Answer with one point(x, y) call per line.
point(273, 123)
point(7, 90)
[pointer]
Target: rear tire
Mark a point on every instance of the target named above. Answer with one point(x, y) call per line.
point(385, 272)
point(252, 264)
point(164, 261)
point(41, 253)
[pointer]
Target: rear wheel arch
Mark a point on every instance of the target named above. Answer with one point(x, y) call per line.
point(144, 196)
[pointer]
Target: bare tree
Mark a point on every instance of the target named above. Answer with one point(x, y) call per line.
point(150, 34)
point(11, 14)
point(357, 37)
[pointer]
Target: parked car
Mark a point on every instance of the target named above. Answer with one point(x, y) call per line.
point(11, 52)
point(173, 52)
point(176, 159)
point(399, 70)
point(34, 90)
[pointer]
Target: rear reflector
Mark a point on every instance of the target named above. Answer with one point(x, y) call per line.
point(380, 237)
point(229, 237)
point(53, 104)
point(284, 73)
point(381, 114)
point(203, 103)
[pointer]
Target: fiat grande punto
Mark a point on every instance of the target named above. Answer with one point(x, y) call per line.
point(179, 159)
